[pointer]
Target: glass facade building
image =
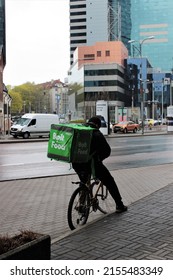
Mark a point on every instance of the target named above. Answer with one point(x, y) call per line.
point(125, 20)
point(154, 18)
point(121, 15)
point(129, 20)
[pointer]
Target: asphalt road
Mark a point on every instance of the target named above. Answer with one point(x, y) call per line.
point(29, 159)
point(140, 151)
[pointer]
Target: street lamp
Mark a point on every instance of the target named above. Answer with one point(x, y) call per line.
point(140, 43)
point(140, 76)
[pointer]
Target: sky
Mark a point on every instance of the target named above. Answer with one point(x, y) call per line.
point(37, 41)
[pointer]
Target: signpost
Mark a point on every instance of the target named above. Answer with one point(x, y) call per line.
point(102, 110)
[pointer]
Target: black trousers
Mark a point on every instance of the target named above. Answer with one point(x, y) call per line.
point(103, 174)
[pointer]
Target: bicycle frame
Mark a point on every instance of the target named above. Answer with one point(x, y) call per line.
point(90, 186)
point(100, 186)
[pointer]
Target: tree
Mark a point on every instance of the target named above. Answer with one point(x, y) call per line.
point(16, 104)
point(30, 96)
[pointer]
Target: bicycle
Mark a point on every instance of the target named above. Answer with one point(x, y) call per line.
point(85, 199)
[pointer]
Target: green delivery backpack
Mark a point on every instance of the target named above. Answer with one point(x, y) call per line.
point(70, 142)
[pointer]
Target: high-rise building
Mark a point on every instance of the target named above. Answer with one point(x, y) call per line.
point(110, 20)
point(145, 27)
point(154, 18)
point(87, 26)
point(94, 21)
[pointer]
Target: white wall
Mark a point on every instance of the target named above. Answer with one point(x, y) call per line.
point(97, 22)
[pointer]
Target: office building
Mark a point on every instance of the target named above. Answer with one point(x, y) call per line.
point(98, 73)
point(125, 20)
point(157, 90)
point(154, 18)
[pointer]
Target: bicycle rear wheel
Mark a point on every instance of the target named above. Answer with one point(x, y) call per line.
point(78, 208)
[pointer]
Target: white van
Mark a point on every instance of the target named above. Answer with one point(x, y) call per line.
point(33, 125)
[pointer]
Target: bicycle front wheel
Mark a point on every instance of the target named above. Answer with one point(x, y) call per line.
point(78, 208)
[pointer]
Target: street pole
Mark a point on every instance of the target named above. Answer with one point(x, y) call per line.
point(153, 101)
point(141, 82)
point(132, 113)
point(142, 101)
point(162, 98)
point(170, 94)
point(141, 89)
point(142, 110)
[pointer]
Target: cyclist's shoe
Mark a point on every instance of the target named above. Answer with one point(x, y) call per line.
point(121, 208)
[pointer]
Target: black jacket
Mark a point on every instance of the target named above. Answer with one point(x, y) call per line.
point(99, 146)
point(100, 150)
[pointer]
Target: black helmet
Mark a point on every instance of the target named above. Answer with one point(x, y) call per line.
point(95, 122)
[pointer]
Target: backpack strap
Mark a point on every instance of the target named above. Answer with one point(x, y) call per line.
point(92, 165)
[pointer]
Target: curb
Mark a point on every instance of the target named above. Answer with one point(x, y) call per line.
point(113, 135)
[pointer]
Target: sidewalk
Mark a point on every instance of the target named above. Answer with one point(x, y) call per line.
point(144, 232)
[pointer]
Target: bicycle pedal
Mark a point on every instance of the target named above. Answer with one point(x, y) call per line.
point(97, 182)
point(76, 183)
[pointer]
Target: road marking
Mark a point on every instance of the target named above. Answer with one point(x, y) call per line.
point(11, 164)
point(140, 145)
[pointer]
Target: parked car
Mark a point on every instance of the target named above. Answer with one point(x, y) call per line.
point(33, 125)
point(126, 126)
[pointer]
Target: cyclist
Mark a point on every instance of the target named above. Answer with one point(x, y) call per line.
point(100, 150)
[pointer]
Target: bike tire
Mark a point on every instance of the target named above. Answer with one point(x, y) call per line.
point(78, 212)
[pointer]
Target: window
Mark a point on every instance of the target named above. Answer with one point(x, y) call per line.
point(77, 13)
point(78, 34)
point(107, 53)
point(77, 27)
point(77, 6)
point(99, 53)
point(77, 41)
point(78, 20)
point(89, 56)
point(33, 122)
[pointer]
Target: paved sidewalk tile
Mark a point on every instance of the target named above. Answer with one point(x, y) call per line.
point(41, 204)
point(144, 232)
